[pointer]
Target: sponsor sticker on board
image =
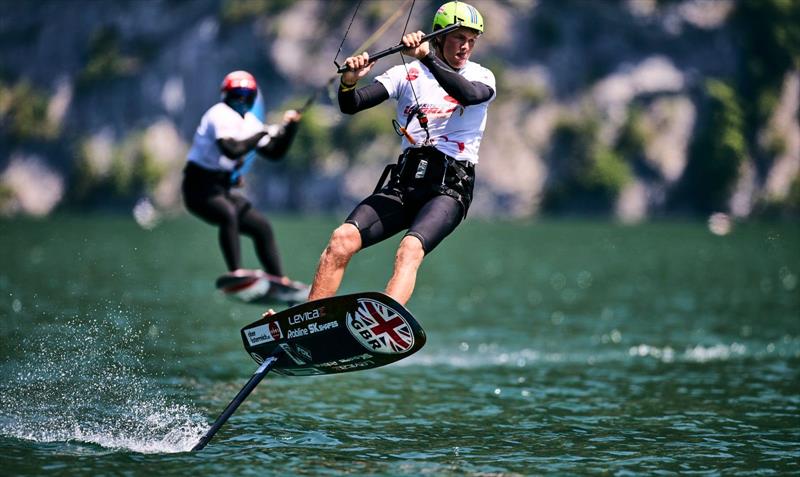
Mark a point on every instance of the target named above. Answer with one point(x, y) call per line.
point(312, 315)
point(299, 357)
point(311, 329)
point(264, 333)
point(379, 328)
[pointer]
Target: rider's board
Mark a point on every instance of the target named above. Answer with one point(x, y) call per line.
point(332, 335)
point(256, 286)
point(335, 335)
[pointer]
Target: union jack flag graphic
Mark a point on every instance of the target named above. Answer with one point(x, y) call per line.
point(379, 328)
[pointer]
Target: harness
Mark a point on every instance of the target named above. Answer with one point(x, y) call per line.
point(430, 171)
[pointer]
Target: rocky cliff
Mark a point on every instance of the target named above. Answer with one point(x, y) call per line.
point(627, 109)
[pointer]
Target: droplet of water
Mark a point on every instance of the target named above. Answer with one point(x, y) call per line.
point(771, 348)
point(110, 399)
point(558, 281)
point(584, 280)
point(788, 279)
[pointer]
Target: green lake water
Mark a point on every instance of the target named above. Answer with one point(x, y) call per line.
point(553, 348)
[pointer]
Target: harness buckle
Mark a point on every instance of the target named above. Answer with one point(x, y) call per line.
point(421, 168)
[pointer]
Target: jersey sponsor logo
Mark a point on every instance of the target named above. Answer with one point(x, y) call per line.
point(457, 106)
point(379, 328)
point(413, 73)
point(431, 110)
point(264, 333)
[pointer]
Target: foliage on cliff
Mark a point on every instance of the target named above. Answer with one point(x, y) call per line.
point(679, 106)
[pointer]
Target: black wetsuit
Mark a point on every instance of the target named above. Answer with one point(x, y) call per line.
point(208, 195)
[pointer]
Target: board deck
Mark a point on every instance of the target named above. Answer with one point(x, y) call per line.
point(335, 335)
point(258, 287)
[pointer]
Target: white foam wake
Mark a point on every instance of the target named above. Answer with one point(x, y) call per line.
point(88, 382)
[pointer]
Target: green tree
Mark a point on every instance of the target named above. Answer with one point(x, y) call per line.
point(586, 175)
point(769, 38)
point(717, 151)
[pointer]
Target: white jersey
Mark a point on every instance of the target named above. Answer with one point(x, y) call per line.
point(221, 121)
point(454, 129)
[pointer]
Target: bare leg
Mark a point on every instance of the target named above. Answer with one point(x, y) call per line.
point(407, 261)
point(344, 243)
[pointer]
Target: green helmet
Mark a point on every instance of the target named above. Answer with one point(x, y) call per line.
point(451, 12)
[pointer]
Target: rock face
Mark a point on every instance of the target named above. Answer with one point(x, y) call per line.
point(599, 104)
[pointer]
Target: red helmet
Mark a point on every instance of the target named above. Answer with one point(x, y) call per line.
point(239, 87)
point(238, 79)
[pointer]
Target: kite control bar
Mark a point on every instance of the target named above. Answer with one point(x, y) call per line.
point(400, 46)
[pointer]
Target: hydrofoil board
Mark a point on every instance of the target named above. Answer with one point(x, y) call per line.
point(328, 336)
point(335, 335)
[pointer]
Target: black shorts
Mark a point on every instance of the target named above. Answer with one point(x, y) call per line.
point(386, 213)
point(203, 189)
point(429, 205)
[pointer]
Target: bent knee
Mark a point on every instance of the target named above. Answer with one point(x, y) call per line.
point(411, 250)
point(345, 241)
point(227, 216)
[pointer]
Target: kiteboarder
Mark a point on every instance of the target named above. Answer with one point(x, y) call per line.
point(442, 99)
point(227, 132)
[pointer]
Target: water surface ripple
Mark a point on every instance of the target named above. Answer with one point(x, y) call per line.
point(553, 348)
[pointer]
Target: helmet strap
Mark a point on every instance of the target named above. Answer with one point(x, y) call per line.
point(438, 48)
